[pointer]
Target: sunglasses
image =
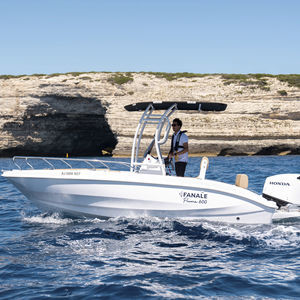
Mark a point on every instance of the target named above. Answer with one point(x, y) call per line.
point(174, 125)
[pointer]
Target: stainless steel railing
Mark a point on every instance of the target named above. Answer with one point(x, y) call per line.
point(33, 162)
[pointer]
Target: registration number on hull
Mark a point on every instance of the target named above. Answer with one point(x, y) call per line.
point(70, 173)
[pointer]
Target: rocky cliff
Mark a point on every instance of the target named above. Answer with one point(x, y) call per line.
point(83, 113)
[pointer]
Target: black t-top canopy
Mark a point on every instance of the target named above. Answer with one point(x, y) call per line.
point(200, 106)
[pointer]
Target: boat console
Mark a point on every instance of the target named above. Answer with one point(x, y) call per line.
point(162, 124)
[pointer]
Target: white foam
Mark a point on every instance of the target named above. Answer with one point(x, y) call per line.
point(273, 236)
point(281, 235)
point(48, 219)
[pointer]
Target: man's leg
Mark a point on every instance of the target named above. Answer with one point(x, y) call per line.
point(180, 168)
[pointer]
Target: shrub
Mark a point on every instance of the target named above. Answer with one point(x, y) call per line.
point(120, 79)
point(260, 75)
point(228, 82)
point(54, 75)
point(235, 76)
point(282, 92)
point(252, 81)
point(174, 76)
point(85, 78)
point(291, 79)
point(11, 76)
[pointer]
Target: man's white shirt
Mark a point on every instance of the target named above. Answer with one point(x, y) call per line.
point(183, 139)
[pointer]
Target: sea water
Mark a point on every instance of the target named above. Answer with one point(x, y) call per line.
point(46, 256)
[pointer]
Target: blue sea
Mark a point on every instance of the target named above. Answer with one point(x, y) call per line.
point(46, 256)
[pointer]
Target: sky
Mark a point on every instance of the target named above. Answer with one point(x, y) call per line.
point(197, 36)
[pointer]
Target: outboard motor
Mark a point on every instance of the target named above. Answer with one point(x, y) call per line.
point(284, 189)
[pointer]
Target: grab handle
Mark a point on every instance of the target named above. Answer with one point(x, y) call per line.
point(203, 167)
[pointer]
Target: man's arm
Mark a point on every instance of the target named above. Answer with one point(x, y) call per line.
point(184, 150)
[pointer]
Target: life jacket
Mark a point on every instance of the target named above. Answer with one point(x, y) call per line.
point(176, 142)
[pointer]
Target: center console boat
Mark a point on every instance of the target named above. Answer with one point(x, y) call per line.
point(142, 187)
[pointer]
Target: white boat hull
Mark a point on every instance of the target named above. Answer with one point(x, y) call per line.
point(106, 193)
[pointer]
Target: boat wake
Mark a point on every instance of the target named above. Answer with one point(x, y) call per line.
point(270, 236)
point(198, 255)
point(174, 232)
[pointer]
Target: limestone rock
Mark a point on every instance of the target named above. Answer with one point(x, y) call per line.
point(85, 115)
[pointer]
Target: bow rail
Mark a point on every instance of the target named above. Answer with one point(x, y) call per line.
point(34, 162)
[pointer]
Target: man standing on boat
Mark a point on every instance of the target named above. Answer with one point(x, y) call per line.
point(179, 147)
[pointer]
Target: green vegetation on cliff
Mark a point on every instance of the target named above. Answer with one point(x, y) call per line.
point(291, 79)
point(120, 78)
point(257, 79)
point(174, 76)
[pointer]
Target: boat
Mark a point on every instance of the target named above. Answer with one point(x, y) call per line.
point(144, 187)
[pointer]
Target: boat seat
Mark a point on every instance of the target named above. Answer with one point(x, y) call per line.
point(241, 180)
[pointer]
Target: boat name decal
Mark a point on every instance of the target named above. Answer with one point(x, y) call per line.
point(194, 197)
point(279, 183)
point(70, 173)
